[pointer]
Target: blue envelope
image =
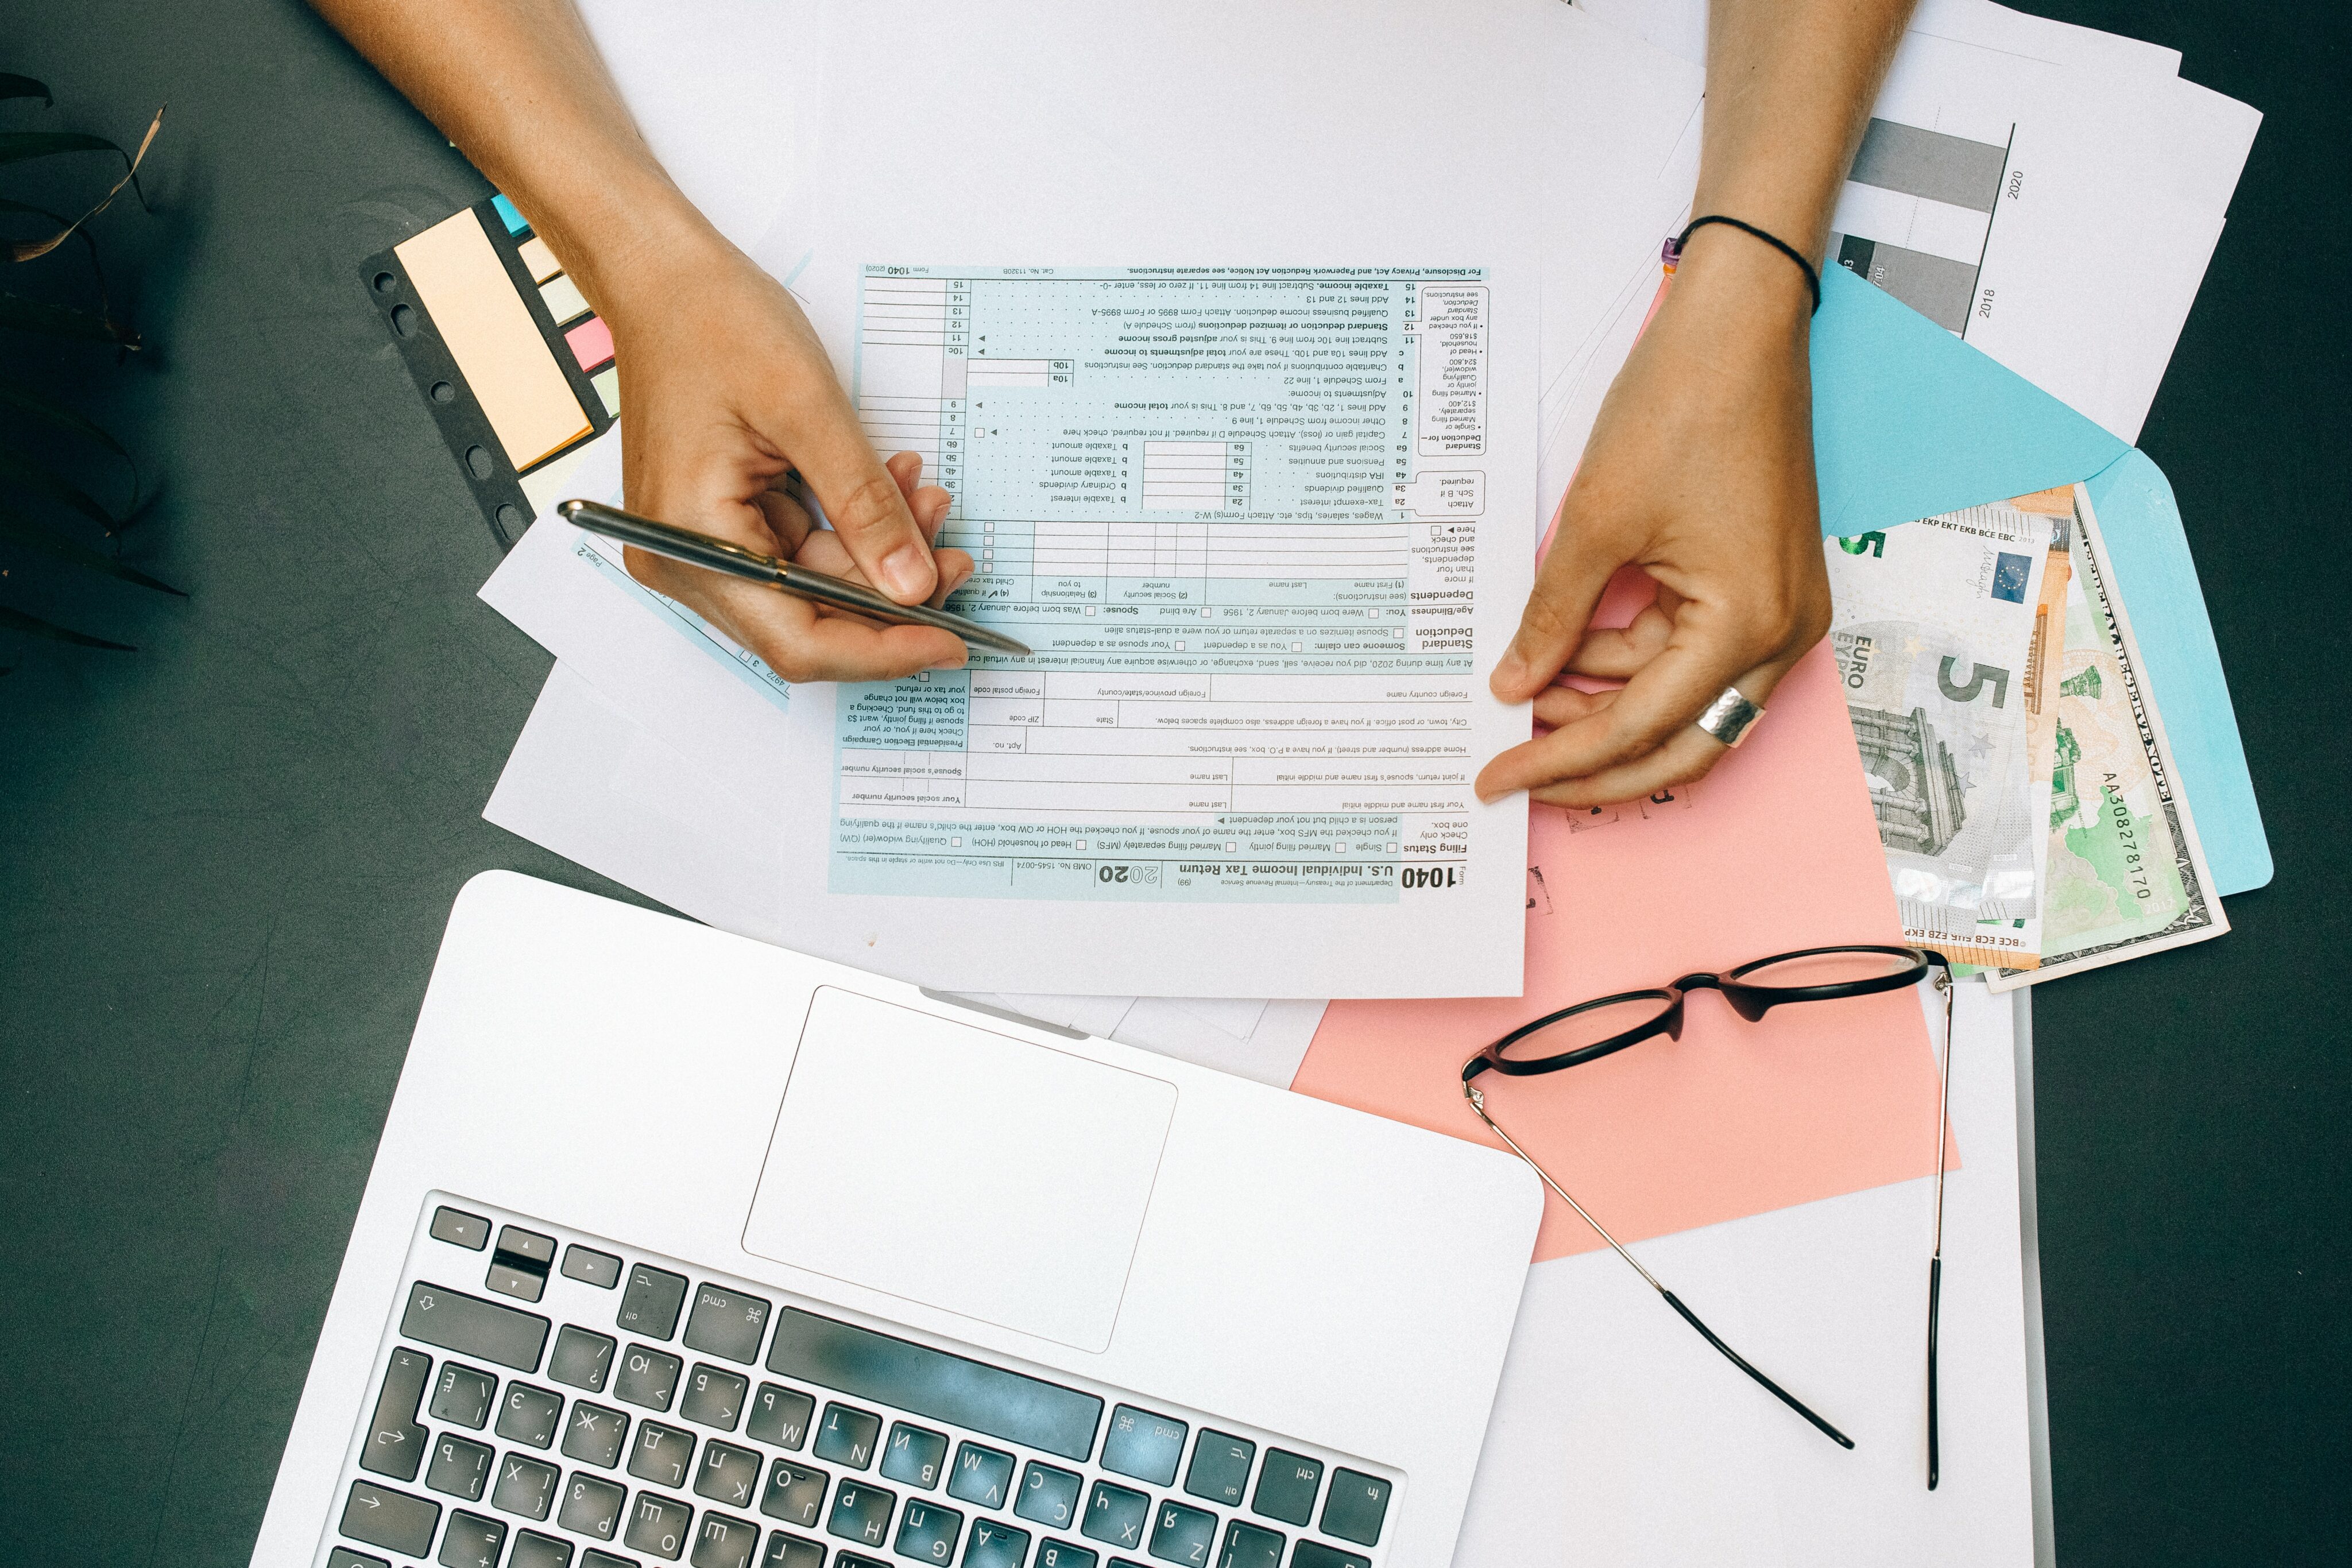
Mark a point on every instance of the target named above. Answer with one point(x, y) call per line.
point(1909, 422)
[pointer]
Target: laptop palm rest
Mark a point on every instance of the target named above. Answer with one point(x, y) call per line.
point(946, 1164)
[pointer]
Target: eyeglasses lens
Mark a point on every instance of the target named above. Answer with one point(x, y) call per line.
point(1838, 966)
point(1589, 1025)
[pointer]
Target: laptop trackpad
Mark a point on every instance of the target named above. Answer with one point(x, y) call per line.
point(950, 1164)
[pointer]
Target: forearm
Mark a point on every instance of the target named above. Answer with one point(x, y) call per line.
point(1788, 88)
point(518, 87)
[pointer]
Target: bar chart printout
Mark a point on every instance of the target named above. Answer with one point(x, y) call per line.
point(1915, 215)
point(1236, 512)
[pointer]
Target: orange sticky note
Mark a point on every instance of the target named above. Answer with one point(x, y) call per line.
point(508, 366)
point(1775, 850)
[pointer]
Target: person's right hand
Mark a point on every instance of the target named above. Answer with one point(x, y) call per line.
point(727, 391)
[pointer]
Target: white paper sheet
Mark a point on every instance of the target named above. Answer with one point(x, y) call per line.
point(1620, 1437)
point(1679, 28)
point(587, 783)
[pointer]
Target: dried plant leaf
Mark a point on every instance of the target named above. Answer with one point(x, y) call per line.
point(38, 476)
point(61, 321)
point(18, 621)
point(16, 531)
point(33, 250)
point(58, 414)
point(13, 86)
point(15, 146)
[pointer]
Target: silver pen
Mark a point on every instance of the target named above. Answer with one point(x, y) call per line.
point(804, 582)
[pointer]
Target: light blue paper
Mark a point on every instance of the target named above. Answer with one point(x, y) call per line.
point(1910, 421)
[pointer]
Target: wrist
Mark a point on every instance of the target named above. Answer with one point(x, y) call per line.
point(1743, 284)
point(630, 239)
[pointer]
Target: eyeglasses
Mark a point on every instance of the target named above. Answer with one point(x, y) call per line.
point(1591, 1031)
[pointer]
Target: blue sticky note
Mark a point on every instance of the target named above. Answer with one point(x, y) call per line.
point(1910, 421)
point(508, 213)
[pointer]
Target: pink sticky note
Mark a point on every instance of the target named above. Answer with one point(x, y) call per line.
point(591, 342)
point(1775, 850)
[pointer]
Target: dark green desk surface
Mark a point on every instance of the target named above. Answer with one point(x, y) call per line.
point(225, 862)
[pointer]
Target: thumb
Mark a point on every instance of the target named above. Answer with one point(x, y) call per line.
point(863, 501)
point(1569, 583)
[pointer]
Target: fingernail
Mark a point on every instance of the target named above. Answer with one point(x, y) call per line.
point(907, 573)
point(1510, 670)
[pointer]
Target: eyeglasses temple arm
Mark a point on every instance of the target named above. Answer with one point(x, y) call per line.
point(1936, 1258)
point(1478, 1099)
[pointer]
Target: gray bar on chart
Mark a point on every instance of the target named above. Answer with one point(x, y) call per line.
point(1938, 288)
point(1928, 163)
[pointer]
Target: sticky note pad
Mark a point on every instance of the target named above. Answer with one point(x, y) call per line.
point(539, 259)
point(509, 214)
point(508, 366)
point(564, 300)
point(592, 343)
point(607, 383)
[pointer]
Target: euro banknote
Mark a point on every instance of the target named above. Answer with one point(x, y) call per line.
point(1933, 627)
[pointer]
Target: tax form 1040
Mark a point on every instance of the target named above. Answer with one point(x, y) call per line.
point(1267, 529)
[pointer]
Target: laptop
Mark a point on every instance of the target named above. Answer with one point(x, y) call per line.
point(679, 1248)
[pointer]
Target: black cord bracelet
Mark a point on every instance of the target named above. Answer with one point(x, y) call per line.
point(1674, 249)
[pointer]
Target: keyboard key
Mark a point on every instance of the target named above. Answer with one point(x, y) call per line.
point(995, 1545)
point(795, 1494)
point(528, 1246)
point(1118, 1515)
point(847, 1436)
point(714, 1398)
point(472, 1326)
point(519, 1267)
point(861, 1513)
point(526, 1487)
point(529, 1415)
point(1286, 1486)
point(914, 1455)
point(983, 1475)
point(392, 1520)
point(951, 1389)
point(592, 1558)
point(791, 1551)
point(1061, 1554)
point(927, 1532)
point(471, 1542)
point(523, 1284)
point(396, 1443)
point(594, 1435)
point(345, 1557)
point(591, 1267)
point(591, 1506)
point(532, 1550)
point(852, 1560)
point(723, 1542)
point(781, 1416)
point(1049, 1496)
point(461, 1396)
point(1247, 1546)
point(727, 1323)
point(648, 1377)
point(658, 1524)
point(455, 1226)
point(661, 1455)
point(459, 1467)
point(1144, 1446)
point(1221, 1467)
point(580, 1358)
point(650, 1305)
point(727, 1474)
point(1182, 1534)
point(1356, 1507)
point(1316, 1554)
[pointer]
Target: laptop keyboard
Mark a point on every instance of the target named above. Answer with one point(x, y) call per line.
point(553, 1400)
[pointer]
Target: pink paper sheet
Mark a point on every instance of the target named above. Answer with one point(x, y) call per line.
point(1775, 850)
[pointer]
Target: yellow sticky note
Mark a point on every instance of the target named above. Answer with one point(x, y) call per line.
point(508, 366)
point(539, 259)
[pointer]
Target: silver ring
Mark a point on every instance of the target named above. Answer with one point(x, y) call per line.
point(1730, 717)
